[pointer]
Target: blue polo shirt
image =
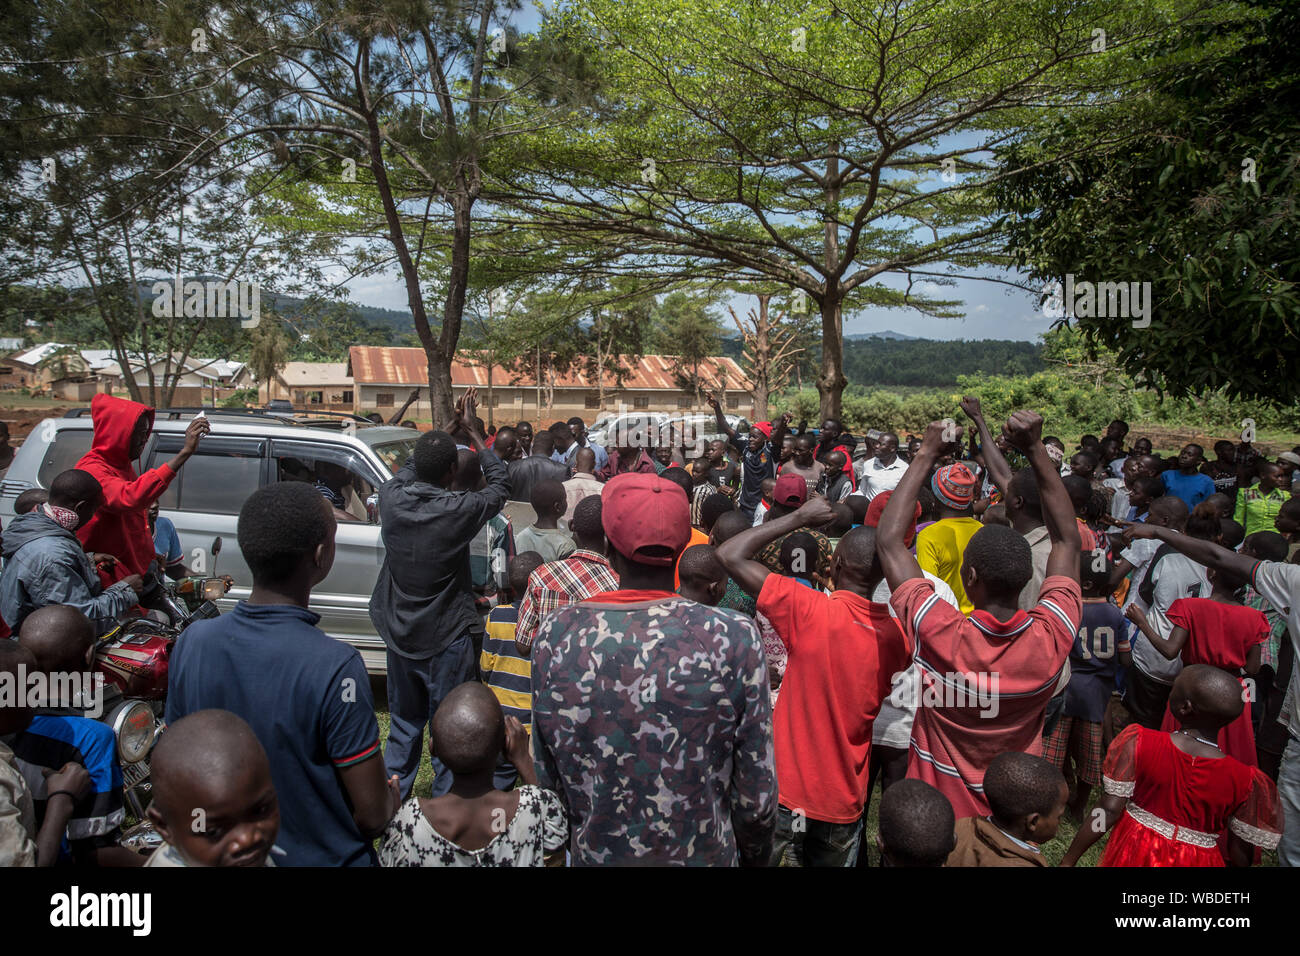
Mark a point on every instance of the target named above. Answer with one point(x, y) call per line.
point(1193, 488)
point(307, 698)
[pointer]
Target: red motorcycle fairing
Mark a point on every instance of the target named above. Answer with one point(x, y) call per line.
point(135, 656)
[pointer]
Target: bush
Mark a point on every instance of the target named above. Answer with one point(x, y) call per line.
point(1069, 407)
point(240, 398)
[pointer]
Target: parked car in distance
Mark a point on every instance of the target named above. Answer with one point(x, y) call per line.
point(633, 428)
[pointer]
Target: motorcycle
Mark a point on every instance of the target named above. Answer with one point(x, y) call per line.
point(133, 659)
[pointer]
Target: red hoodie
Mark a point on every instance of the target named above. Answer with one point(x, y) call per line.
point(121, 525)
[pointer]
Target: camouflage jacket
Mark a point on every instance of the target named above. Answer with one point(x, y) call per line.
point(652, 721)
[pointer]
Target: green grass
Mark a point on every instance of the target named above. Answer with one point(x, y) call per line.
point(424, 775)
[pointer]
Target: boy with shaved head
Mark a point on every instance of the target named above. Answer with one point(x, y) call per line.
point(843, 652)
point(214, 803)
point(61, 641)
point(22, 841)
point(475, 824)
point(1171, 797)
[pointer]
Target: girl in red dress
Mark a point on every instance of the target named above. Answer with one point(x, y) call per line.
point(1222, 632)
point(1169, 796)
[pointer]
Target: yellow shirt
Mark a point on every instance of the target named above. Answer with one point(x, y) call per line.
point(939, 549)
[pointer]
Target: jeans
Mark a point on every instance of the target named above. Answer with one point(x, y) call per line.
point(814, 842)
point(415, 689)
point(1288, 788)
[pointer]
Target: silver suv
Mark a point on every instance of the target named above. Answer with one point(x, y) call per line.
point(244, 451)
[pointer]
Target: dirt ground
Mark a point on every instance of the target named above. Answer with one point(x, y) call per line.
point(22, 420)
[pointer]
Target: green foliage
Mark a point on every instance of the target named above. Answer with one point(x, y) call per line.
point(240, 398)
point(1197, 191)
point(1070, 408)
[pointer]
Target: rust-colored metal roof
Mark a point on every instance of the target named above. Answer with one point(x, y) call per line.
point(388, 365)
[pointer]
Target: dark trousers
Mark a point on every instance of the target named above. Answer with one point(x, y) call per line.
point(888, 765)
point(1146, 698)
point(814, 842)
point(415, 689)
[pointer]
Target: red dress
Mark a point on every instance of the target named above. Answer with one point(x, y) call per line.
point(1178, 805)
point(1221, 635)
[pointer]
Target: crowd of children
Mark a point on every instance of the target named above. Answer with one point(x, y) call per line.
point(717, 661)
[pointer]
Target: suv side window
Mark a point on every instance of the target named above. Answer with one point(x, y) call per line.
point(217, 479)
point(62, 453)
point(349, 476)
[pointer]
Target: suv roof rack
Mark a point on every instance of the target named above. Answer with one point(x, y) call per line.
point(287, 418)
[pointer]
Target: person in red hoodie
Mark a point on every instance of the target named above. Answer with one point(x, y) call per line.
point(121, 527)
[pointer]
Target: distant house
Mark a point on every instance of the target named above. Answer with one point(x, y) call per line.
point(324, 386)
point(16, 374)
point(386, 375)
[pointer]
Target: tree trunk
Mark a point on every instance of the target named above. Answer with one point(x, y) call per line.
point(831, 381)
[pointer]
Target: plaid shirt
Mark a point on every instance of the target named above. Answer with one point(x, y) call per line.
point(559, 583)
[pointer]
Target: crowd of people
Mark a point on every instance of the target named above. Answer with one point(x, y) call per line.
point(708, 654)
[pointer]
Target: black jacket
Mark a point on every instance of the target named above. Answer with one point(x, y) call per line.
point(526, 472)
point(423, 599)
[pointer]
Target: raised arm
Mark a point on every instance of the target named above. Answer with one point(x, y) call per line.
point(1170, 647)
point(736, 553)
point(1024, 430)
point(896, 560)
point(723, 427)
point(779, 432)
point(1202, 552)
point(997, 465)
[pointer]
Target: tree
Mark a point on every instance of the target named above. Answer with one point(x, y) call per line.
point(821, 146)
point(1201, 200)
point(385, 118)
point(268, 352)
point(687, 329)
point(771, 348)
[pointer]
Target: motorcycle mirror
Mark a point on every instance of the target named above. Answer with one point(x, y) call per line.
point(216, 546)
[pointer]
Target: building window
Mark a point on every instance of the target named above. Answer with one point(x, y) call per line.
point(384, 399)
point(347, 397)
point(300, 397)
point(592, 400)
point(733, 401)
point(315, 398)
point(685, 401)
point(641, 401)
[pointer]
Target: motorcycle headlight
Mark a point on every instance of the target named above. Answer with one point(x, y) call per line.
point(133, 724)
point(213, 588)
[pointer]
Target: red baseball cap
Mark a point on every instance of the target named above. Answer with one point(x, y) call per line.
point(763, 428)
point(646, 518)
point(877, 508)
point(790, 490)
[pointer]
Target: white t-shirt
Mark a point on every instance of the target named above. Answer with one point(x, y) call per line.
point(1279, 583)
point(893, 726)
point(873, 477)
point(1119, 504)
point(1176, 576)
